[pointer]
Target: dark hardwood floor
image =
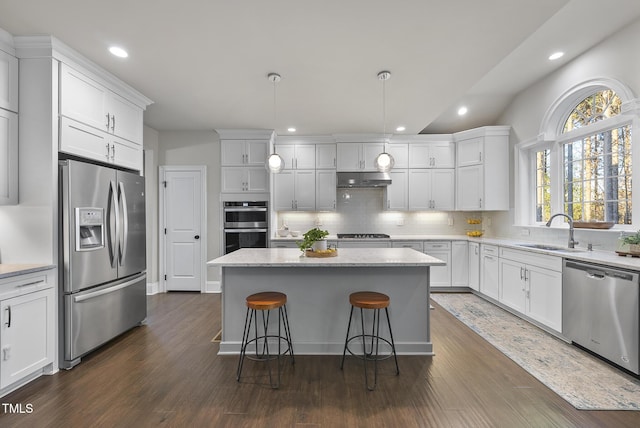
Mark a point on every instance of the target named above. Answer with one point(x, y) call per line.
point(167, 373)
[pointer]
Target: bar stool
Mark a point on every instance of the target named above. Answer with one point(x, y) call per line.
point(265, 302)
point(375, 301)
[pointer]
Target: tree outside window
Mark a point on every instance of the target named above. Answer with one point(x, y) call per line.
point(597, 166)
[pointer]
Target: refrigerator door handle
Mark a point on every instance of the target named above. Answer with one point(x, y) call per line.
point(113, 210)
point(106, 290)
point(125, 223)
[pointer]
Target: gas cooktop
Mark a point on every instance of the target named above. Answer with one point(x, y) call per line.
point(362, 236)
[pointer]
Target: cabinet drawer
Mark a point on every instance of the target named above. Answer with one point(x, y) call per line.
point(489, 250)
point(416, 245)
point(437, 245)
point(532, 258)
point(24, 284)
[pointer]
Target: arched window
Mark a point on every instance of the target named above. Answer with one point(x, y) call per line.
point(581, 161)
point(597, 161)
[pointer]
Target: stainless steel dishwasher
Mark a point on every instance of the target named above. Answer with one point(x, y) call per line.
point(600, 311)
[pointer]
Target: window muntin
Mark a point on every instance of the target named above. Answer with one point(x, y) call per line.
point(597, 174)
point(543, 185)
point(594, 108)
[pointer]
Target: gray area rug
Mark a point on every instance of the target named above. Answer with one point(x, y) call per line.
point(578, 377)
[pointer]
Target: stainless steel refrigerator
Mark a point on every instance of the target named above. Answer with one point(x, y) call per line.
point(102, 256)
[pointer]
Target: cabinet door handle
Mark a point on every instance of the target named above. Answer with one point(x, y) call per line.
point(108, 121)
point(113, 123)
point(480, 153)
point(480, 202)
point(521, 273)
point(9, 318)
point(108, 151)
point(113, 152)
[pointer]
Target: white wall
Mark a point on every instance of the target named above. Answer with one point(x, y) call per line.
point(150, 143)
point(616, 57)
point(198, 148)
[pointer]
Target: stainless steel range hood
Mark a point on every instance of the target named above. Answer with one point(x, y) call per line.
point(363, 179)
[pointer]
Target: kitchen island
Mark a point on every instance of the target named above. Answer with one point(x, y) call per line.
point(318, 294)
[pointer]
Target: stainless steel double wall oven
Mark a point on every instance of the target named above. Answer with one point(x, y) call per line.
point(246, 225)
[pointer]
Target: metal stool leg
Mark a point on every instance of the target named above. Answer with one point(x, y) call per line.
point(393, 345)
point(245, 337)
point(287, 332)
point(346, 340)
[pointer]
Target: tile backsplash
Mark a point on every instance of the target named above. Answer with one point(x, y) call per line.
point(361, 211)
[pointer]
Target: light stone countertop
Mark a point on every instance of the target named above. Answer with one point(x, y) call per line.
point(11, 269)
point(291, 257)
point(608, 258)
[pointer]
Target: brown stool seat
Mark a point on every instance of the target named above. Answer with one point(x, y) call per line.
point(369, 300)
point(376, 301)
point(267, 345)
point(266, 300)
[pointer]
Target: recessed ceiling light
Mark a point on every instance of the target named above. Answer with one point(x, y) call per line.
point(555, 55)
point(292, 129)
point(400, 128)
point(462, 111)
point(118, 51)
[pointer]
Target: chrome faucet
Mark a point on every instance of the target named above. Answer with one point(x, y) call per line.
point(572, 242)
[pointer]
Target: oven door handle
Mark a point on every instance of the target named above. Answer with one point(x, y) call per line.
point(244, 230)
point(245, 209)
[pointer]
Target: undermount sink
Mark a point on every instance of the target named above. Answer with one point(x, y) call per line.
point(548, 247)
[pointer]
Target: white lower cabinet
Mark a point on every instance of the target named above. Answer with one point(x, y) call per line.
point(474, 266)
point(440, 275)
point(489, 271)
point(459, 264)
point(531, 284)
point(27, 334)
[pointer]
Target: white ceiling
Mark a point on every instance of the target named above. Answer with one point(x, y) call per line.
point(205, 62)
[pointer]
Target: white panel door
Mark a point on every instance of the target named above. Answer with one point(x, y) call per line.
point(443, 189)
point(8, 82)
point(183, 224)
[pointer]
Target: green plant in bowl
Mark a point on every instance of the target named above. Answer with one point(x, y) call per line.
point(311, 236)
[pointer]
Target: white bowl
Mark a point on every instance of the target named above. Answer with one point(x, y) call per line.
point(295, 233)
point(283, 232)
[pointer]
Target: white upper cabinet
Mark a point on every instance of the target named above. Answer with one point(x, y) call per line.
point(8, 82)
point(88, 101)
point(325, 190)
point(358, 156)
point(325, 156)
point(431, 189)
point(242, 180)
point(482, 181)
point(8, 157)
point(301, 156)
point(432, 155)
point(295, 190)
point(400, 153)
point(244, 152)
point(470, 151)
point(398, 191)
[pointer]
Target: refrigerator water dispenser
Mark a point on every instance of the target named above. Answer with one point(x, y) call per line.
point(89, 229)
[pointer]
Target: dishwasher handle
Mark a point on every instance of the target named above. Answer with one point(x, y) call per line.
point(598, 272)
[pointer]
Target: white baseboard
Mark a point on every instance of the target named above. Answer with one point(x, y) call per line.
point(212, 287)
point(153, 288)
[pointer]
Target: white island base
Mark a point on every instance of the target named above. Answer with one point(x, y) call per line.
point(318, 295)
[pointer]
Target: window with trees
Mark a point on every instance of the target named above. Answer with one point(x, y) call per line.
point(586, 172)
point(597, 164)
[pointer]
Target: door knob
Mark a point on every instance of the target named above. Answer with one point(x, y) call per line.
point(197, 236)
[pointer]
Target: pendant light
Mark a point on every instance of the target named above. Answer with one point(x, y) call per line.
point(384, 161)
point(275, 163)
